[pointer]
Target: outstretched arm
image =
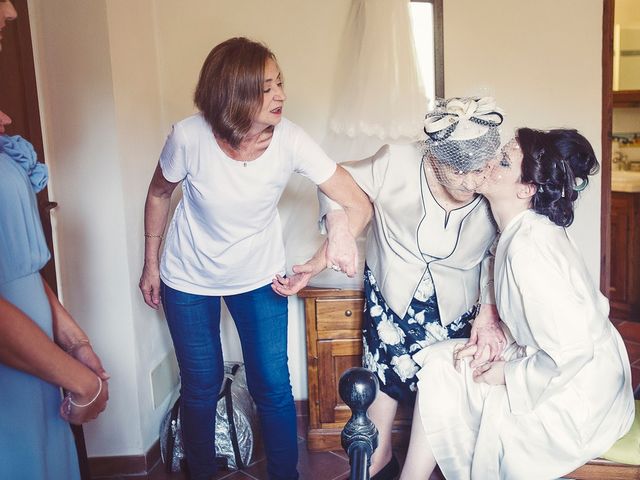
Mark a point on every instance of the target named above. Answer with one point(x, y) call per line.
point(292, 284)
point(344, 256)
point(345, 225)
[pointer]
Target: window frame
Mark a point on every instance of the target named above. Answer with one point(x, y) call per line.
point(438, 44)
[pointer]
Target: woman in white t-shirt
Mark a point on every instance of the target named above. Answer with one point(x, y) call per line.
point(234, 159)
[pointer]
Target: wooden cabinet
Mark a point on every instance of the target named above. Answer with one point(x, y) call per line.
point(334, 344)
point(624, 292)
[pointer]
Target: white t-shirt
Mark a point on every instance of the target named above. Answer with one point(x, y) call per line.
point(225, 236)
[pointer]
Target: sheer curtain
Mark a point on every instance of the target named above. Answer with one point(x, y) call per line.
point(379, 96)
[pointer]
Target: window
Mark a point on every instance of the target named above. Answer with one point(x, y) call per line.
point(426, 19)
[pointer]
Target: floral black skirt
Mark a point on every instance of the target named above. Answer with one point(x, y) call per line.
point(389, 342)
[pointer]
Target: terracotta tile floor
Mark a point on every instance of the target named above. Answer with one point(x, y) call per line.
point(335, 465)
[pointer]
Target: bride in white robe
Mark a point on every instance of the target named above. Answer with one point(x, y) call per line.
point(561, 394)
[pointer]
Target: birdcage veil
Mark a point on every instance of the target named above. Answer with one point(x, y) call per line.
point(462, 135)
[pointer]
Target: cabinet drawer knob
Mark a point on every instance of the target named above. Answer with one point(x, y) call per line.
point(348, 313)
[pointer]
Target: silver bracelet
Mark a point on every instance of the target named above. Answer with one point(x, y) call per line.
point(92, 400)
point(151, 235)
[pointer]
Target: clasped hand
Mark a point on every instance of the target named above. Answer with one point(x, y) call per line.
point(484, 348)
point(484, 370)
point(338, 252)
point(96, 397)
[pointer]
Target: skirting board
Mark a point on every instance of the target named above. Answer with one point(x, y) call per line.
point(141, 465)
point(126, 464)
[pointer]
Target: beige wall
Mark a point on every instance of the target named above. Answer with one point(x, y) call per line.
point(113, 75)
point(542, 62)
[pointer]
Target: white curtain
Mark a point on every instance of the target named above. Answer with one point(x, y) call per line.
point(379, 96)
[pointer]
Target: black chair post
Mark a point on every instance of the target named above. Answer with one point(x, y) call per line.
point(358, 388)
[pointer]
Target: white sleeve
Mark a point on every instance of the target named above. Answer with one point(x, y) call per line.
point(368, 174)
point(309, 159)
point(487, 291)
point(173, 159)
point(556, 316)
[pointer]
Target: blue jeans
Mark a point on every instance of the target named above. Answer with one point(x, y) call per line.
point(261, 319)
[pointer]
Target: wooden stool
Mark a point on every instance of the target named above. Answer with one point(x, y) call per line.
point(601, 469)
point(627, 449)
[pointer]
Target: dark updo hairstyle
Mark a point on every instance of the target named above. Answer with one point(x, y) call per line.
point(558, 163)
point(230, 88)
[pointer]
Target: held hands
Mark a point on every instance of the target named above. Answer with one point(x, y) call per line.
point(338, 252)
point(342, 251)
point(485, 346)
point(490, 372)
point(292, 284)
point(150, 285)
point(487, 334)
point(84, 353)
point(80, 408)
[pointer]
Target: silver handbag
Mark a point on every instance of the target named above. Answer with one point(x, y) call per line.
point(236, 425)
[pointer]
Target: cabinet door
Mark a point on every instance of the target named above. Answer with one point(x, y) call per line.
point(334, 357)
point(620, 211)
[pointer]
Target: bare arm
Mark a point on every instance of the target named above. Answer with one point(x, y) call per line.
point(24, 346)
point(343, 189)
point(345, 225)
point(156, 212)
point(70, 337)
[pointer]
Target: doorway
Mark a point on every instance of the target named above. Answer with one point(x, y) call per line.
point(19, 99)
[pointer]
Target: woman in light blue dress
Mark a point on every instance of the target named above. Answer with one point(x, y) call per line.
point(41, 346)
point(35, 438)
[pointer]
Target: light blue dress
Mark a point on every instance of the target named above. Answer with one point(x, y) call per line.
point(35, 442)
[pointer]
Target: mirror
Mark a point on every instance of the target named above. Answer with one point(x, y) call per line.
point(626, 53)
point(626, 57)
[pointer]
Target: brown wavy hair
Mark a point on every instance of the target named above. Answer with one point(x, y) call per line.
point(230, 88)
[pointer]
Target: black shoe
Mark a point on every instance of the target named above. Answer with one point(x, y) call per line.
point(390, 471)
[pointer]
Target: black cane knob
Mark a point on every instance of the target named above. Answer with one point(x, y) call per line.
point(358, 388)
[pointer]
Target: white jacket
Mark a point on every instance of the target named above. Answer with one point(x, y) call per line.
point(392, 180)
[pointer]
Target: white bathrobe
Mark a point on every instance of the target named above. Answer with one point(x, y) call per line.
point(568, 394)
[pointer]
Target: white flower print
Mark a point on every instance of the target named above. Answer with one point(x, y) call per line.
point(425, 288)
point(373, 297)
point(436, 332)
point(389, 332)
point(371, 362)
point(420, 317)
point(375, 311)
point(404, 366)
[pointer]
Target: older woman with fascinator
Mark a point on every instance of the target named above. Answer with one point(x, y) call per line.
point(233, 159)
point(42, 348)
point(560, 392)
point(428, 272)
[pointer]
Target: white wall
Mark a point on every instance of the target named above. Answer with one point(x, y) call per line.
point(113, 75)
point(542, 62)
point(112, 78)
point(79, 115)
